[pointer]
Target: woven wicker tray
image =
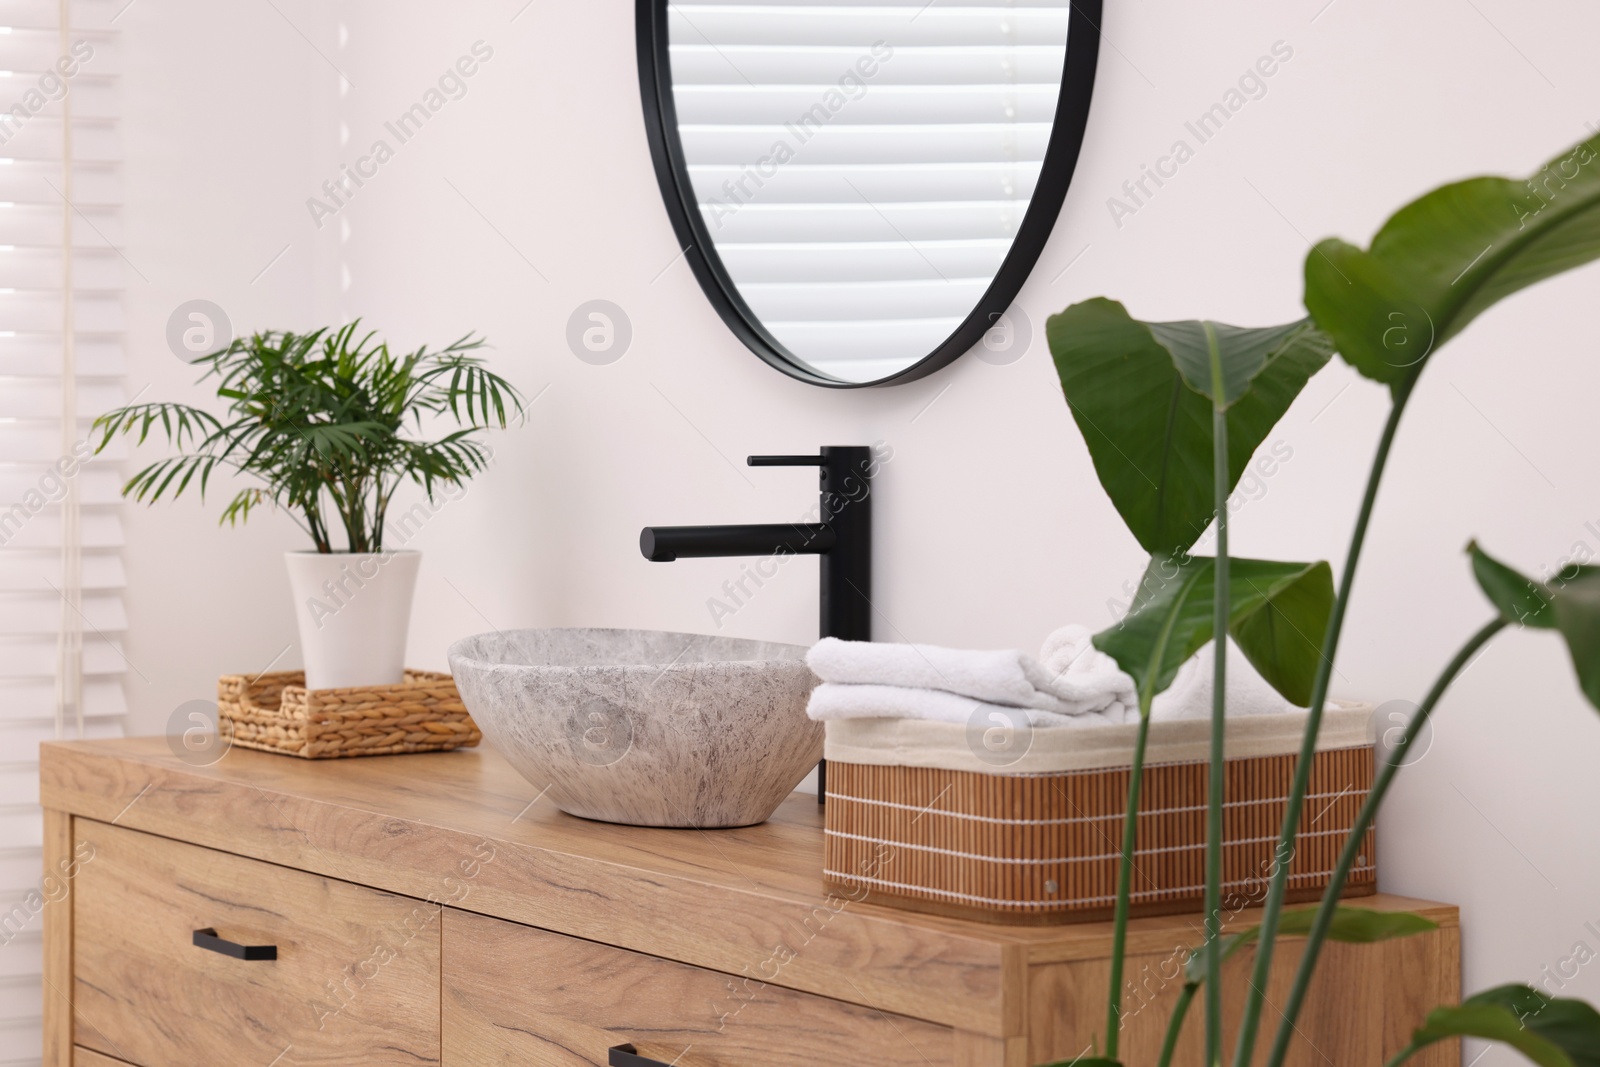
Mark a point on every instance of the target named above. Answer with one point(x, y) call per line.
point(277, 713)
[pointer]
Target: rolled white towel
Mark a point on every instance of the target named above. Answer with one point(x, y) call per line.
point(834, 700)
point(997, 677)
point(1083, 677)
point(1189, 695)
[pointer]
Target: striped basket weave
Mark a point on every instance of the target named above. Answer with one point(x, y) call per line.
point(1045, 847)
point(277, 713)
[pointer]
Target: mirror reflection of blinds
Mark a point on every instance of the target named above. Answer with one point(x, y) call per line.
point(911, 138)
point(53, 258)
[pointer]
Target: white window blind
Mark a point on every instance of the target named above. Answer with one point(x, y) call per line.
point(61, 578)
point(913, 135)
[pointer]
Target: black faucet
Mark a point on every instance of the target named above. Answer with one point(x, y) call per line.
point(842, 536)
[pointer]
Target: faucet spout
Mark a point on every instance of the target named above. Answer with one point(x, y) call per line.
point(663, 544)
point(842, 542)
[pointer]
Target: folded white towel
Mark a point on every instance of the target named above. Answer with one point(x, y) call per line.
point(1009, 678)
point(834, 700)
point(1071, 684)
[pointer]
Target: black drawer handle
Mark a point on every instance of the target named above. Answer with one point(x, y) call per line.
point(628, 1056)
point(208, 939)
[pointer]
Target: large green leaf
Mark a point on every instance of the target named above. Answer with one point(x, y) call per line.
point(1278, 614)
point(1357, 926)
point(1142, 395)
point(1550, 1032)
point(1220, 362)
point(1441, 260)
point(1578, 618)
point(1519, 599)
point(1569, 603)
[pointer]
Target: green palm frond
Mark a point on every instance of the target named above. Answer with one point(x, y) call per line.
point(317, 419)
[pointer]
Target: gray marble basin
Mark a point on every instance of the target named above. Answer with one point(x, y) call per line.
point(645, 727)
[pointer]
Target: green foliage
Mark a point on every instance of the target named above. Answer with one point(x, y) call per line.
point(1278, 613)
point(1442, 260)
point(1172, 413)
point(1550, 1032)
point(1569, 603)
point(1520, 600)
point(319, 419)
point(1151, 399)
point(1578, 619)
point(1143, 393)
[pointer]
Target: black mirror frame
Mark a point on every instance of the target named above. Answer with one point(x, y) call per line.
point(1061, 159)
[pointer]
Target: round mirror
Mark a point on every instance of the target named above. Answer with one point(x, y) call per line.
point(862, 188)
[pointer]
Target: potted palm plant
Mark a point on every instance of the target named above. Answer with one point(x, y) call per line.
point(319, 422)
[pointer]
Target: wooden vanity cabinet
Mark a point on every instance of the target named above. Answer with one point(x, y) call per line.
point(340, 974)
point(432, 910)
point(516, 995)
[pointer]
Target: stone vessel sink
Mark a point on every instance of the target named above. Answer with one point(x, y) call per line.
point(645, 727)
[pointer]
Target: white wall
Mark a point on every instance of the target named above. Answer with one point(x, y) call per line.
point(991, 527)
point(226, 109)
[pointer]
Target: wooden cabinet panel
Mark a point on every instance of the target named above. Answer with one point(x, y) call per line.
point(518, 996)
point(59, 865)
point(1364, 1003)
point(355, 981)
point(85, 1057)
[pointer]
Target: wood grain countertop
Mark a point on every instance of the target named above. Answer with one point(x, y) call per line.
point(464, 829)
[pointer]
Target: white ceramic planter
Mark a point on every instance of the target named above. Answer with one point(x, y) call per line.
point(353, 611)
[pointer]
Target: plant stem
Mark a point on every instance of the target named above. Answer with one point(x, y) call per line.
point(1119, 923)
point(354, 496)
point(1250, 1022)
point(331, 484)
point(319, 536)
point(380, 516)
point(1369, 812)
point(1175, 1025)
point(1405, 1054)
point(1221, 603)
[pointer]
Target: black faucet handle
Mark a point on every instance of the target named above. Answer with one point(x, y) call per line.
point(785, 461)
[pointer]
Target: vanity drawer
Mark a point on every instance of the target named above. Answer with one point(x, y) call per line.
point(355, 978)
point(514, 995)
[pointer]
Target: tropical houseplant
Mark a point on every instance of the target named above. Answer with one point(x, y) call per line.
point(326, 426)
point(1171, 414)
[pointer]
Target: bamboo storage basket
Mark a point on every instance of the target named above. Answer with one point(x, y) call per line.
point(277, 713)
point(914, 820)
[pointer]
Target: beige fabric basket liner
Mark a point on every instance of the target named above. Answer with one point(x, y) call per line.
point(1061, 749)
